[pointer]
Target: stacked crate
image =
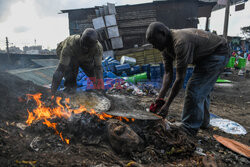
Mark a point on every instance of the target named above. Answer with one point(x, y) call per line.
point(143, 56)
point(106, 25)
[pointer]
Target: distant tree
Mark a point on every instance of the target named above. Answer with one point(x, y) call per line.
point(246, 31)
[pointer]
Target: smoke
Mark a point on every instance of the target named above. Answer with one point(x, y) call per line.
point(5, 8)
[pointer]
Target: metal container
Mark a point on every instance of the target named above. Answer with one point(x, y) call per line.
point(128, 60)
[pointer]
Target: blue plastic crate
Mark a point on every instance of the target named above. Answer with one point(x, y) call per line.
point(111, 68)
point(80, 75)
point(124, 74)
point(81, 83)
point(104, 62)
point(111, 75)
point(108, 68)
point(109, 58)
point(105, 69)
point(122, 68)
point(135, 70)
point(156, 80)
point(155, 72)
point(114, 62)
point(146, 68)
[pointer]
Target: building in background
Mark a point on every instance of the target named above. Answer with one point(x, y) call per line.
point(14, 49)
point(133, 20)
point(32, 49)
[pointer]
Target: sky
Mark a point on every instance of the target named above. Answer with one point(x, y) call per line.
point(30, 22)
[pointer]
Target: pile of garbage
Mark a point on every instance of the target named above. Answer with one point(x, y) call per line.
point(127, 68)
point(135, 79)
point(147, 74)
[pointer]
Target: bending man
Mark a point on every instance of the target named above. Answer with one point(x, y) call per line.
point(209, 55)
point(76, 51)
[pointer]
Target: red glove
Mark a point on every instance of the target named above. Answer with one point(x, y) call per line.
point(156, 106)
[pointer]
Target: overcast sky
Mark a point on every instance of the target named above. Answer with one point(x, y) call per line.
point(27, 21)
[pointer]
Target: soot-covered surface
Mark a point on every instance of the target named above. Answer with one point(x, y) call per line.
point(93, 141)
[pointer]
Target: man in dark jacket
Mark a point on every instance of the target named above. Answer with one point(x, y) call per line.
point(76, 51)
point(209, 55)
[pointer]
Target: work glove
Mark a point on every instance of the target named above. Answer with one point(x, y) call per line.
point(156, 106)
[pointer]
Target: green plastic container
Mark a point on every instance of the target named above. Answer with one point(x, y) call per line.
point(231, 62)
point(223, 81)
point(242, 63)
point(137, 78)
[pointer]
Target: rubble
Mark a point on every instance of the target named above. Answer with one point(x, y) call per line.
point(162, 143)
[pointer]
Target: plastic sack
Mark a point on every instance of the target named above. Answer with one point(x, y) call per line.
point(228, 126)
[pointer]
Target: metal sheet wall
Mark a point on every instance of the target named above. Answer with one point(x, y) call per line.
point(177, 15)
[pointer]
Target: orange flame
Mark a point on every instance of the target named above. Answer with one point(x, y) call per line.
point(67, 141)
point(44, 113)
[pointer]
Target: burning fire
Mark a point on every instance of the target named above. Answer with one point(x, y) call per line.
point(41, 112)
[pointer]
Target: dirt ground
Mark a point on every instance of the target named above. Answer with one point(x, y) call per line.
point(37, 145)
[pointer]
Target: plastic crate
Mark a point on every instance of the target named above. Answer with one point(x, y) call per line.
point(231, 62)
point(122, 68)
point(146, 68)
point(114, 62)
point(135, 70)
point(242, 63)
point(109, 58)
point(155, 72)
point(156, 80)
point(104, 62)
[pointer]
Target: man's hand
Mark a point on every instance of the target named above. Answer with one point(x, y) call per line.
point(163, 111)
point(157, 105)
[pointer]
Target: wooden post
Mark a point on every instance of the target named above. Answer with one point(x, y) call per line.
point(7, 49)
point(207, 23)
point(226, 19)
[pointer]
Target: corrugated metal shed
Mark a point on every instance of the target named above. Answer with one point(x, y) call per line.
point(40, 76)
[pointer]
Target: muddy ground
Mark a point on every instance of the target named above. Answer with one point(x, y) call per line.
point(92, 150)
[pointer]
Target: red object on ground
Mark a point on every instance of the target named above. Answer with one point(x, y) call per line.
point(156, 106)
point(234, 145)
